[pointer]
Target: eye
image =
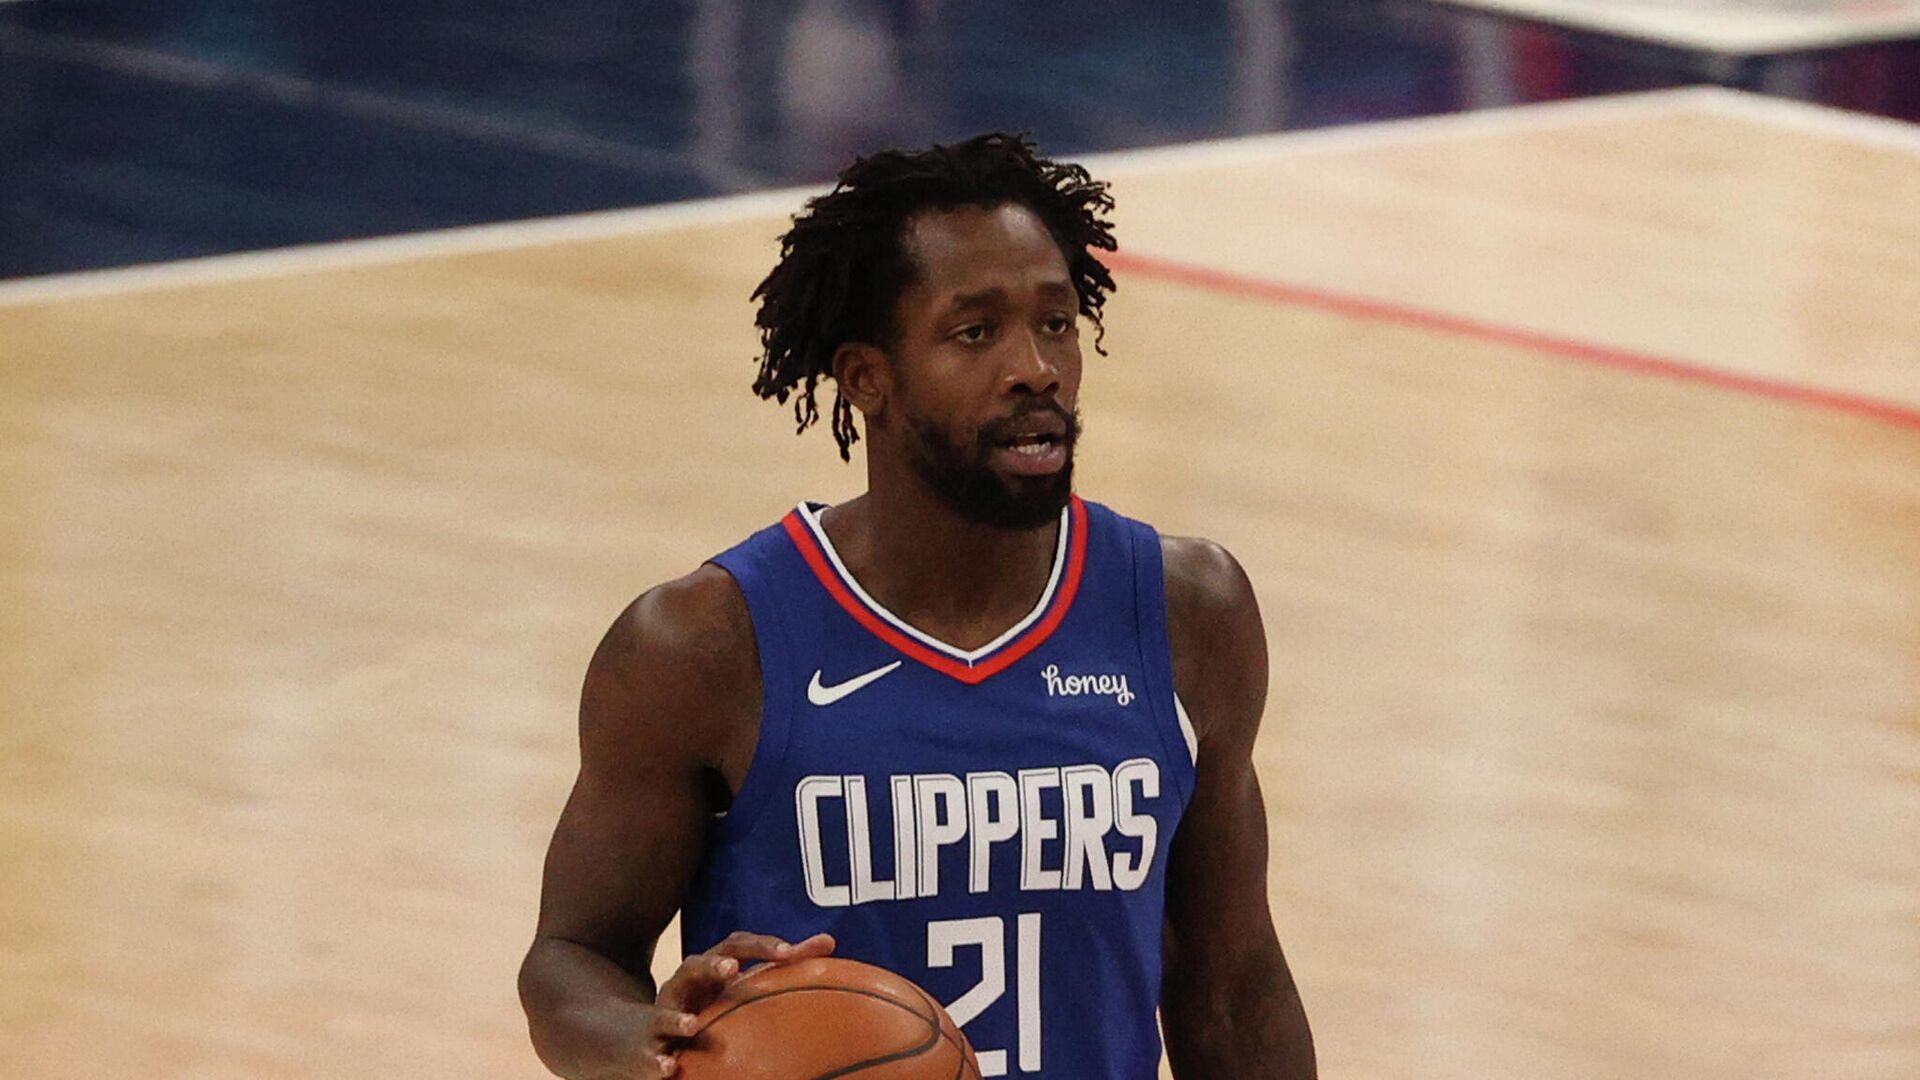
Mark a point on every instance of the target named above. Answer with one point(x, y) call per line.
point(1058, 323)
point(973, 333)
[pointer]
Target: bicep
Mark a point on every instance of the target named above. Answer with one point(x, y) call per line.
point(629, 839)
point(617, 868)
point(1229, 997)
point(1217, 870)
point(1217, 874)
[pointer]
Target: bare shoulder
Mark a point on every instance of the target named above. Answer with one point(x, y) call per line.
point(1203, 576)
point(677, 668)
point(1213, 625)
point(699, 622)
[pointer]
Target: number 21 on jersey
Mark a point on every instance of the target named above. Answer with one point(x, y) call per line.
point(945, 938)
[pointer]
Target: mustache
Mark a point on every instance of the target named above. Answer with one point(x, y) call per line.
point(995, 432)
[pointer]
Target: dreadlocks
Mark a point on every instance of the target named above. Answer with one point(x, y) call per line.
point(842, 265)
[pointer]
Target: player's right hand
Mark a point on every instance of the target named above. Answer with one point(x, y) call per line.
point(700, 979)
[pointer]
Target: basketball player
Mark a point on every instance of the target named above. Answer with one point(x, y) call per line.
point(967, 726)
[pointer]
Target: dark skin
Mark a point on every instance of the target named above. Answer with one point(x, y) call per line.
point(670, 709)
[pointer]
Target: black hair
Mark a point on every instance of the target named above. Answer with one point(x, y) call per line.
point(843, 264)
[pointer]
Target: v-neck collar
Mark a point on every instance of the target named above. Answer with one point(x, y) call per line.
point(970, 666)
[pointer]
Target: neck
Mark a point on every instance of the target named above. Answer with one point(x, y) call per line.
point(961, 581)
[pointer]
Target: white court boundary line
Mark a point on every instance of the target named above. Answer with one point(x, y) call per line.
point(1758, 31)
point(1863, 128)
point(608, 224)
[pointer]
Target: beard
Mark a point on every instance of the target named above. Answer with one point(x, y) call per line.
point(961, 472)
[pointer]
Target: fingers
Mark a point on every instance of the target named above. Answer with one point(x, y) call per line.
point(669, 1029)
point(817, 945)
point(670, 1024)
point(698, 981)
point(701, 977)
point(751, 947)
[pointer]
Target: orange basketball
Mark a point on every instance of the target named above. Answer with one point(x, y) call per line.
point(826, 1017)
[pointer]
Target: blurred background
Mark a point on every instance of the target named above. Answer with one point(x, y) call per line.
point(136, 132)
point(1566, 419)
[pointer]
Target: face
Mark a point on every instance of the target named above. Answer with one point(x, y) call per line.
point(986, 367)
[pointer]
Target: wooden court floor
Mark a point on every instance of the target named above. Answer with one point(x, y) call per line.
point(1594, 743)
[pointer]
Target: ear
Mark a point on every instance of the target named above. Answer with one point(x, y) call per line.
point(864, 375)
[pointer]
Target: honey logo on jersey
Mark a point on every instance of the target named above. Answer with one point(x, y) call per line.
point(1113, 686)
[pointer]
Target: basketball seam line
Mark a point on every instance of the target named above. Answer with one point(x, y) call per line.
point(924, 996)
point(933, 1026)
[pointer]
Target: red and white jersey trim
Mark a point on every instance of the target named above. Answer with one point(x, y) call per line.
point(967, 665)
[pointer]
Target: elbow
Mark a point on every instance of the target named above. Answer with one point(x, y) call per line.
point(539, 999)
point(1216, 993)
point(1234, 1009)
point(535, 991)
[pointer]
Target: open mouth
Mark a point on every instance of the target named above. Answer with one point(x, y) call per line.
point(1034, 452)
point(1032, 444)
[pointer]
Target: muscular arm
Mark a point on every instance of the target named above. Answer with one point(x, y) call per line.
point(1228, 998)
point(667, 718)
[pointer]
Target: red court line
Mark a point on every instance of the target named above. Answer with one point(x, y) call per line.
point(1360, 307)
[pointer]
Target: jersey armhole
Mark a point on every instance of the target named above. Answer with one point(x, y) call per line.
point(1156, 659)
point(1186, 729)
point(770, 742)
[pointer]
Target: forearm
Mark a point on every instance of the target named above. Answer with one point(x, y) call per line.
point(582, 1008)
point(1243, 1020)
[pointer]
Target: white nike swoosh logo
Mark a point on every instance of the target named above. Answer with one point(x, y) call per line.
point(827, 695)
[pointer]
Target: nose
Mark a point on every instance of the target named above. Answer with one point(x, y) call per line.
point(1030, 371)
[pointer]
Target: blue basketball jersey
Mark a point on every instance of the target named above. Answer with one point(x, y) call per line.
point(991, 823)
